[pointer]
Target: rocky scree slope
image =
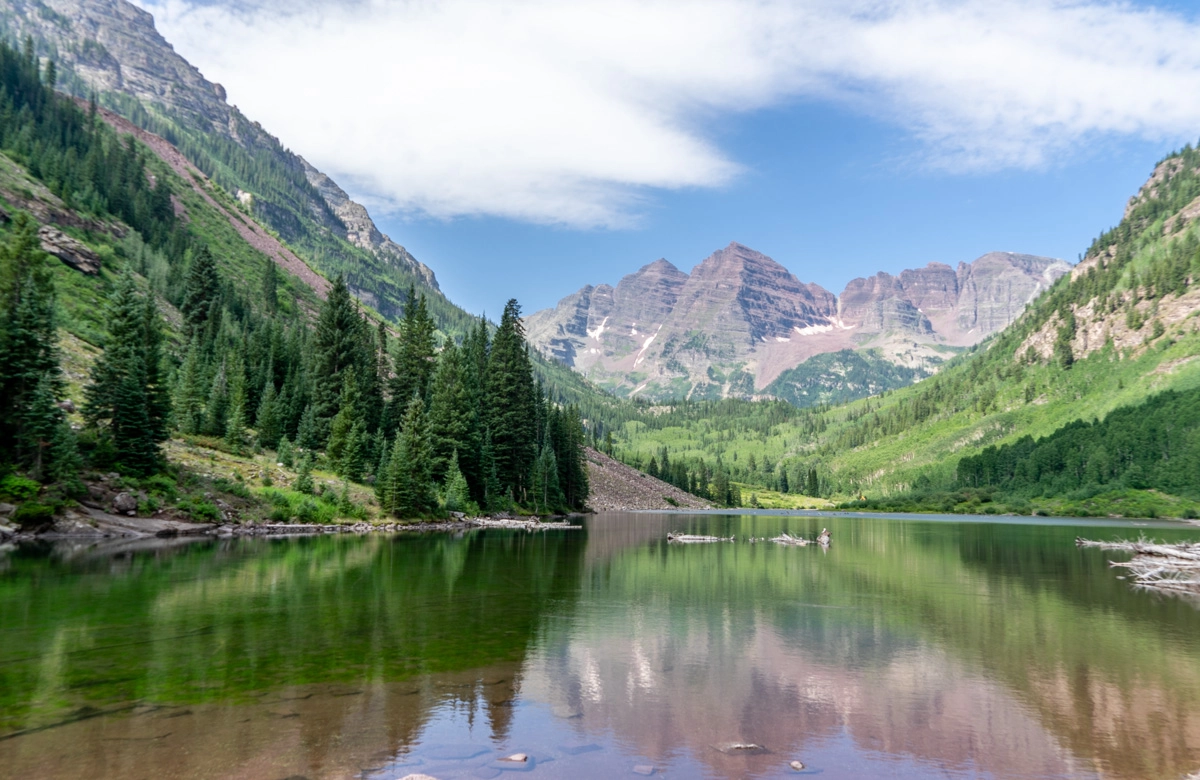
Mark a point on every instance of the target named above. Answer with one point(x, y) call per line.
point(615, 487)
point(740, 324)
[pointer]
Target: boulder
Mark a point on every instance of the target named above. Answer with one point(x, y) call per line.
point(74, 253)
point(124, 502)
point(7, 509)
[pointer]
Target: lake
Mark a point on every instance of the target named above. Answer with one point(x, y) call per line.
point(911, 648)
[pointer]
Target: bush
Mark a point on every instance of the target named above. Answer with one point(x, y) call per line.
point(200, 509)
point(33, 515)
point(19, 488)
point(238, 489)
point(161, 485)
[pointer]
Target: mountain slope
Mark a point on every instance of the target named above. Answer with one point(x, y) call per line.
point(1123, 327)
point(110, 48)
point(741, 325)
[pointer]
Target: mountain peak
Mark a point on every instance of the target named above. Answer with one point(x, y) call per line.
point(740, 319)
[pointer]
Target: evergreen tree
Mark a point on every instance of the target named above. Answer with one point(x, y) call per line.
point(414, 362)
point(270, 286)
point(267, 421)
point(335, 350)
point(453, 420)
point(458, 496)
point(304, 480)
point(216, 410)
point(409, 492)
point(285, 452)
point(125, 400)
point(343, 424)
point(381, 475)
point(510, 407)
point(202, 290)
point(307, 437)
point(189, 391)
point(30, 379)
point(547, 495)
point(236, 422)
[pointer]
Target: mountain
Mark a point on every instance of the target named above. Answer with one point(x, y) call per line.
point(741, 325)
point(110, 48)
point(1088, 403)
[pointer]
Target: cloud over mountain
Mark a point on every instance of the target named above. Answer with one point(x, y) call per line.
point(577, 113)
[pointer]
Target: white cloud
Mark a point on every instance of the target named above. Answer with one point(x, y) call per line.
point(575, 112)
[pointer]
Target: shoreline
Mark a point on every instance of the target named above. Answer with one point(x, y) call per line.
point(100, 526)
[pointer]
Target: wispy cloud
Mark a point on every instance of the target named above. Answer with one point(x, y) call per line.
point(575, 112)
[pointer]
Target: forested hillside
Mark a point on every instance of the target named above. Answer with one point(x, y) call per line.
point(1121, 328)
point(169, 324)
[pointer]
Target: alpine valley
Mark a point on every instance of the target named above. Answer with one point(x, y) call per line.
point(291, 362)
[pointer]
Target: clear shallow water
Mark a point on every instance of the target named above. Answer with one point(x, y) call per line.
point(911, 648)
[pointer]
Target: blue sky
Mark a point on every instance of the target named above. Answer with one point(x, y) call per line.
point(829, 194)
point(528, 147)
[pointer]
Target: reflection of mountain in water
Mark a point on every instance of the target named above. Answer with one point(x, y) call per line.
point(1025, 660)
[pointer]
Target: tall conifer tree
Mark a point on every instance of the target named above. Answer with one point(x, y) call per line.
point(126, 401)
point(510, 406)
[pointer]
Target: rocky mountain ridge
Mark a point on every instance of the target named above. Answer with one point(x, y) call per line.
point(111, 48)
point(740, 320)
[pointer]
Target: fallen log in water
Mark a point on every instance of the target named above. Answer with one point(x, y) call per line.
point(694, 538)
point(532, 524)
point(791, 541)
point(1174, 568)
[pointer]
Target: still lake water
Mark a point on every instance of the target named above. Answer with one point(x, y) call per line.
point(909, 649)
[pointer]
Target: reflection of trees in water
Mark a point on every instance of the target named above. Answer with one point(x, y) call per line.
point(229, 623)
point(964, 645)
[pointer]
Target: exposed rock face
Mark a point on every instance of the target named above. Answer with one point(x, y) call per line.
point(70, 251)
point(112, 47)
point(740, 320)
point(360, 228)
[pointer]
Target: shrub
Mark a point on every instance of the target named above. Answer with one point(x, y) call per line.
point(19, 488)
point(200, 509)
point(33, 515)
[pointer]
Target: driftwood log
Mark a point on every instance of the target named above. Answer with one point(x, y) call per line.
point(1170, 568)
point(695, 538)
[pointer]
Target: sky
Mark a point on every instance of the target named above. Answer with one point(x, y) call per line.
point(527, 148)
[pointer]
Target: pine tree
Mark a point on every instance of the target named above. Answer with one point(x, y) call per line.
point(813, 488)
point(335, 350)
point(307, 437)
point(202, 291)
point(453, 421)
point(458, 496)
point(304, 480)
point(216, 409)
point(567, 437)
point(267, 421)
point(414, 361)
point(381, 475)
point(270, 286)
point(285, 452)
point(30, 379)
point(510, 406)
point(189, 391)
point(236, 422)
point(125, 400)
point(547, 495)
point(410, 488)
point(343, 423)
